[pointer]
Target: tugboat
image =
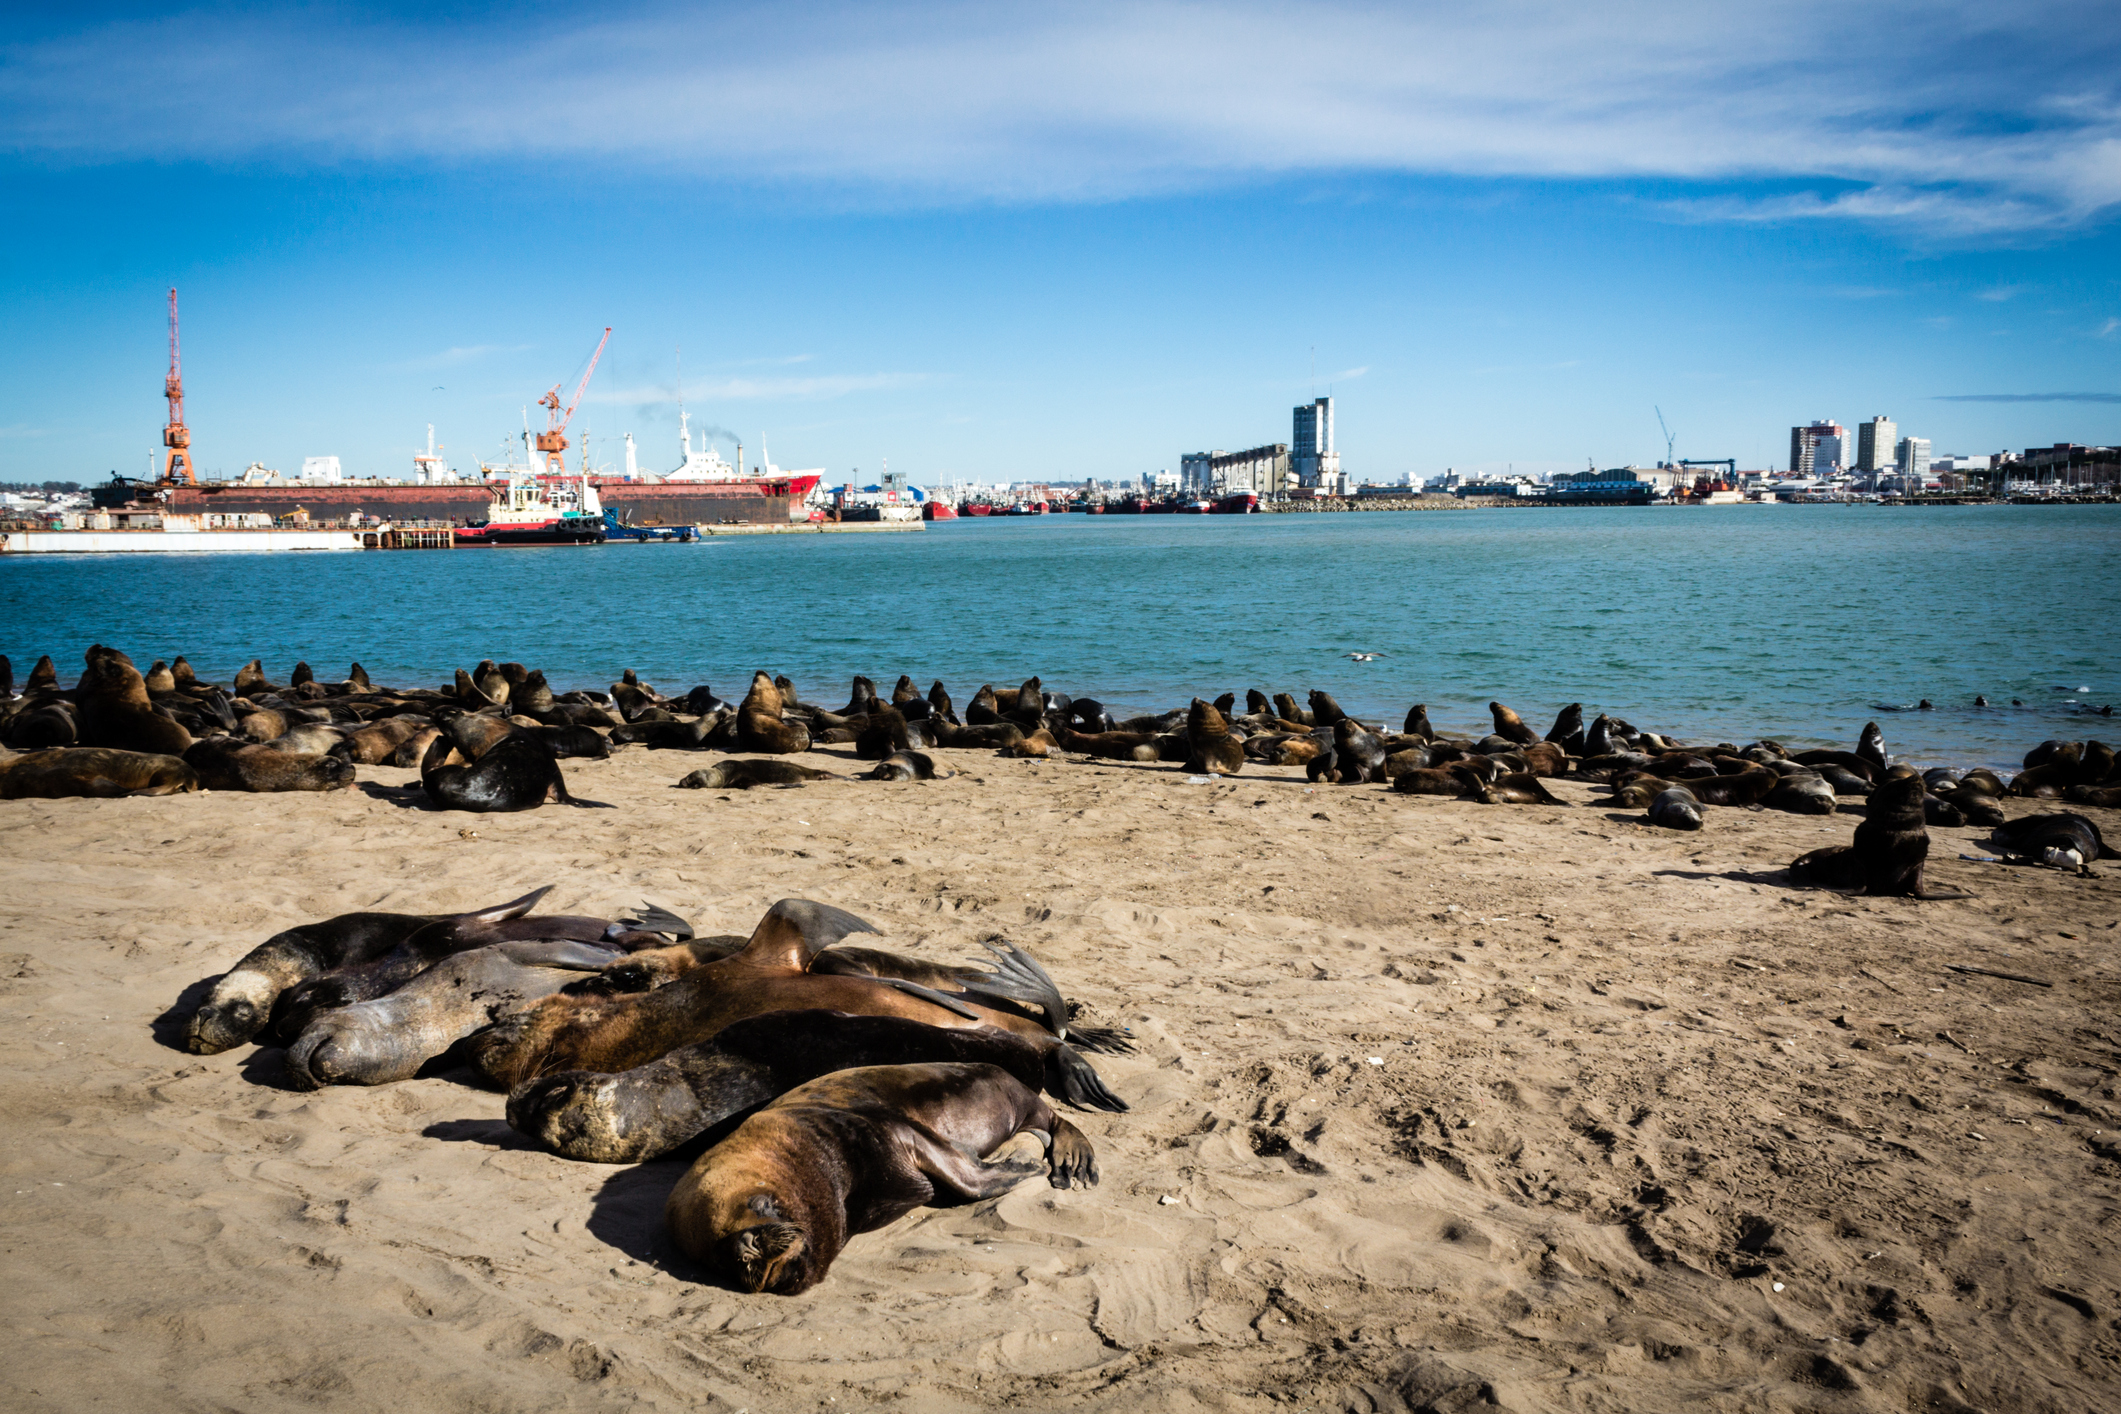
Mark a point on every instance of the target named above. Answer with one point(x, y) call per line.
point(539, 510)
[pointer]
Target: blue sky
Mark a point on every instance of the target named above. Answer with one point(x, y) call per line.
point(992, 242)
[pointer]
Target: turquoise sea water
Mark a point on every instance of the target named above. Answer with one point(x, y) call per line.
point(1718, 623)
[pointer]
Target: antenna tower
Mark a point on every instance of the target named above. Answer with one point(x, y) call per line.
point(177, 470)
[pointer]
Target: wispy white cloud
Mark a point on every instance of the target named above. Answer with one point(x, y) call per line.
point(760, 389)
point(2029, 398)
point(1951, 115)
point(2108, 329)
point(1347, 375)
point(15, 430)
point(2001, 293)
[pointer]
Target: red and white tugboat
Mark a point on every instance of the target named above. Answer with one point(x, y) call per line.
point(529, 509)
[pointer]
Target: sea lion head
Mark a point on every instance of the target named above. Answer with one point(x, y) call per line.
point(772, 1256)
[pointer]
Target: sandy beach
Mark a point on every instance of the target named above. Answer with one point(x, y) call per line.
point(1436, 1106)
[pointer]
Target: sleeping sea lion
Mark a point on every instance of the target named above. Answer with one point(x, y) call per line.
point(1212, 750)
point(1510, 726)
point(1517, 788)
point(112, 708)
point(49, 724)
point(774, 972)
point(391, 1037)
point(374, 743)
point(231, 763)
point(743, 775)
point(1676, 809)
point(772, 1205)
point(640, 1113)
point(1887, 855)
point(241, 1002)
point(759, 726)
point(910, 766)
point(93, 771)
point(1453, 780)
point(1113, 746)
point(885, 734)
point(2065, 839)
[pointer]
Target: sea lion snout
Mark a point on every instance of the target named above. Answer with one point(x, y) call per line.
point(217, 1026)
point(769, 1257)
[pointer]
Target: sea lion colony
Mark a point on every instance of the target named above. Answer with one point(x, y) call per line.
point(873, 1082)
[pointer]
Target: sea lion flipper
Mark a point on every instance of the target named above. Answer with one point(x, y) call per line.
point(929, 994)
point(795, 930)
point(561, 953)
point(1018, 978)
point(514, 908)
point(1071, 1077)
point(655, 919)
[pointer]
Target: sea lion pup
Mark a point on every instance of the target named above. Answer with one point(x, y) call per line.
point(1887, 855)
point(93, 771)
point(1567, 731)
point(771, 1206)
point(1113, 746)
point(41, 677)
point(1676, 809)
point(2067, 840)
point(231, 763)
point(518, 772)
point(910, 766)
point(774, 972)
point(391, 1037)
point(1518, 788)
point(1510, 726)
point(1211, 748)
point(743, 775)
point(241, 1002)
point(759, 726)
point(112, 708)
point(641, 1113)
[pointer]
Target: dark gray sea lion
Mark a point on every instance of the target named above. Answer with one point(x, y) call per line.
point(649, 1110)
point(93, 771)
point(2105, 797)
point(1438, 780)
point(1567, 731)
point(985, 708)
point(1676, 809)
point(1979, 807)
point(1361, 753)
point(666, 734)
point(1803, 792)
point(994, 735)
point(1890, 847)
point(1598, 737)
point(759, 725)
point(231, 763)
point(1417, 722)
point(1942, 813)
point(391, 1037)
point(1871, 745)
point(910, 766)
point(113, 709)
point(885, 733)
point(1324, 710)
point(2065, 839)
point(518, 772)
point(1290, 712)
point(356, 678)
point(771, 1206)
point(774, 972)
point(1212, 750)
point(50, 724)
point(300, 675)
point(241, 1002)
point(744, 774)
point(1843, 780)
point(939, 703)
point(7, 678)
point(574, 743)
point(1860, 767)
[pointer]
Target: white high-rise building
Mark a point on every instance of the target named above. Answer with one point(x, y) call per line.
point(1312, 458)
point(1875, 444)
point(1818, 449)
point(1913, 456)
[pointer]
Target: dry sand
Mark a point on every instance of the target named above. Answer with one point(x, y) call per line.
point(1436, 1106)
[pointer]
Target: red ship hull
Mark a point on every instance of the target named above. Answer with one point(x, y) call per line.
point(758, 501)
point(937, 510)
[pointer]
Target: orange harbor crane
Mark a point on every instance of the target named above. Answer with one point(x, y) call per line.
point(552, 442)
point(177, 469)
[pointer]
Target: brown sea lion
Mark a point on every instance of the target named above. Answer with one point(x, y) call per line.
point(759, 726)
point(93, 771)
point(939, 703)
point(1451, 780)
point(250, 680)
point(413, 750)
point(773, 973)
point(1518, 788)
point(771, 1206)
point(241, 1001)
point(41, 677)
point(1040, 745)
point(884, 734)
point(744, 774)
point(994, 734)
point(1113, 746)
point(1510, 726)
point(159, 679)
point(1212, 750)
point(1324, 710)
point(262, 725)
point(640, 1113)
point(113, 709)
point(1285, 705)
point(1887, 854)
point(230, 763)
point(377, 742)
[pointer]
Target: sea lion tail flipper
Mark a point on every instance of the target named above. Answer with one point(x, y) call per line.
point(654, 919)
point(514, 908)
point(560, 953)
point(929, 994)
point(1071, 1077)
point(796, 930)
point(1018, 978)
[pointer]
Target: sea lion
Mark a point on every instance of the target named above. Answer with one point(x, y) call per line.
point(885, 734)
point(939, 703)
point(377, 742)
point(1039, 745)
point(2065, 839)
point(985, 708)
point(1676, 809)
point(93, 771)
point(518, 772)
point(1517, 788)
point(744, 774)
point(160, 681)
point(1417, 722)
point(1029, 709)
point(759, 725)
point(250, 680)
point(771, 1206)
point(994, 734)
point(391, 1037)
point(773, 973)
point(1803, 791)
point(112, 708)
point(231, 763)
point(903, 691)
point(50, 724)
point(1979, 807)
point(300, 675)
point(356, 679)
point(1510, 726)
point(573, 743)
point(1361, 752)
point(1567, 731)
point(638, 1114)
point(1211, 750)
point(1112, 746)
point(1451, 780)
point(664, 733)
point(241, 1002)
point(41, 677)
point(1940, 812)
point(1599, 739)
point(910, 766)
point(1285, 705)
point(2106, 797)
point(1870, 745)
point(1324, 710)
point(1887, 854)
point(413, 750)
point(1740, 788)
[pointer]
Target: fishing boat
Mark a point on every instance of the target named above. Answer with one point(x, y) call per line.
point(1237, 503)
point(529, 509)
point(976, 508)
point(932, 509)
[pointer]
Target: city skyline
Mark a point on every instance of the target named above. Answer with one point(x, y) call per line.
point(992, 247)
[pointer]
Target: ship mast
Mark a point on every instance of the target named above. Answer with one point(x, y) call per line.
point(177, 470)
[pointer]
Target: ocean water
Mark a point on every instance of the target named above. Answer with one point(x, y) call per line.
point(1798, 623)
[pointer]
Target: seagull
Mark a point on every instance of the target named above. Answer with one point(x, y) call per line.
point(1362, 657)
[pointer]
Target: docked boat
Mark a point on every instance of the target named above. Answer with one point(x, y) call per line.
point(976, 508)
point(932, 509)
point(529, 509)
point(618, 531)
point(1236, 504)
